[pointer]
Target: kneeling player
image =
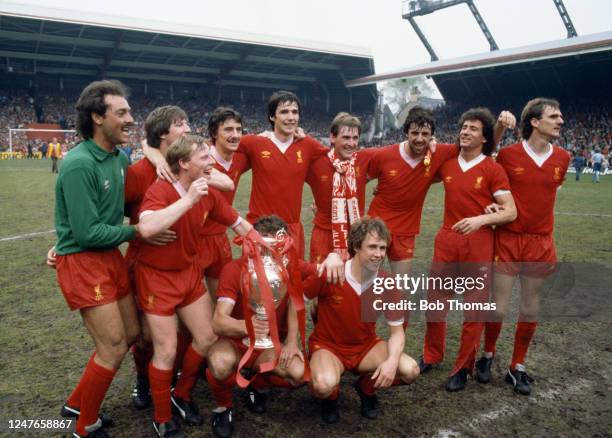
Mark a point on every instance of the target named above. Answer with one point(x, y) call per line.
point(168, 277)
point(341, 341)
point(229, 324)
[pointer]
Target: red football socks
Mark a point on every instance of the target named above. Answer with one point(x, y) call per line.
point(97, 380)
point(492, 331)
point(189, 373)
point(74, 401)
point(221, 389)
point(160, 381)
point(522, 338)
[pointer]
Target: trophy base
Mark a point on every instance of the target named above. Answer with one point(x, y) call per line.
point(260, 344)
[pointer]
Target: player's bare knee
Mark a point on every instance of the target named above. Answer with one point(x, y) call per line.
point(323, 383)
point(295, 372)
point(112, 351)
point(498, 314)
point(164, 355)
point(408, 370)
point(221, 364)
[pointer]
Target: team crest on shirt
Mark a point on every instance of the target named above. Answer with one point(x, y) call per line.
point(324, 178)
point(336, 299)
point(448, 179)
point(150, 301)
point(266, 154)
point(106, 184)
point(205, 217)
point(393, 172)
point(98, 292)
point(299, 157)
point(557, 176)
point(519, 170)
point(478, 182)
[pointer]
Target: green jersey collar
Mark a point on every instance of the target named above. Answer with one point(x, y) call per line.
point(97, 151)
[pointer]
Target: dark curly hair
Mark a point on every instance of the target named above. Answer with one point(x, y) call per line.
point(91, 100)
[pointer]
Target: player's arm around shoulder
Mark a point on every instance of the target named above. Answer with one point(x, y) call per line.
point(221, 181)
point(158, 161)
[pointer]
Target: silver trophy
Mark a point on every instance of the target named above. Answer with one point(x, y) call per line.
point(277, 285)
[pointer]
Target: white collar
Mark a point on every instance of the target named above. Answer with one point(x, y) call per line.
point(467, 165)
point(357, 287)
point(539, 159)
point(282, 146)
point(179, 188)
point(219, 159)
point(412, 162)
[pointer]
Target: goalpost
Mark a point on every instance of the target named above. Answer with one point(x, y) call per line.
point(13, 131)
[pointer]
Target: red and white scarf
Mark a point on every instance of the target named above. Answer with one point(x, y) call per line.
point(345, 206)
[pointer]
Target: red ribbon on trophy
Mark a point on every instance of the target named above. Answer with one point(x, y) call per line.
point(252, 246)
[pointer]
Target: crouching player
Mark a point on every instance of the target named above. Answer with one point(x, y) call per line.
point(342, 341)
point(229, 323)
point(169, 277)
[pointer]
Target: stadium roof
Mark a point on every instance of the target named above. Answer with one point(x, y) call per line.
point(538, 52)
point(36, 40)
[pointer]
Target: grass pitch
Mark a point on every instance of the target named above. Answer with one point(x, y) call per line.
point(43, 346)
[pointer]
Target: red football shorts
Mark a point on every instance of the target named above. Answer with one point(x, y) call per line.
point(215, 252)
point(401, 248)
point(297, 234)
point(92, 278)
point(321, 244)
point(530, 255)
point(350, 356)
point(162, 292)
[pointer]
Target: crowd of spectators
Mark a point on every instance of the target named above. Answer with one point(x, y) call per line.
point(18, 110)
point(587, 126)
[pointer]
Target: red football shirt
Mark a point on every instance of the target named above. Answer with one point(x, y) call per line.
point(229, 289)
point(181, 253)
point(320, 179)
point(402, 187)
point(342, 310)
point(232, 169)
point(468, 192)
point(278, 178)
point(534, 187)
point(139, 178)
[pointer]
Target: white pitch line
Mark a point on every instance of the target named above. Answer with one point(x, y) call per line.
point(486, 420)
point(23, 236)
